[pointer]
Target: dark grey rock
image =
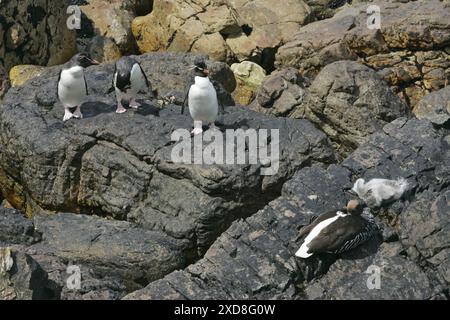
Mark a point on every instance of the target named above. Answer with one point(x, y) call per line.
point(281, 93)
point(4, 81)
point(435, 107)
point(110, 248)
point(21, 277)
point(120, 165)
point(35, 33)
point(425, 226)
point(254, 258)
point(15, 228)
point(355, 278)
point(349, 102)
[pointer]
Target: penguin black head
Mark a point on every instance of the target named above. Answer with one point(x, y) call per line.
point(200, 68)
point(83, 60)
point(355, 207)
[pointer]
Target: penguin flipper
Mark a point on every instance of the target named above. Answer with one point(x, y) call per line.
point(57, 84)
point(187, 87)
point(113, 83)
point(85, 84)
point(219, 93)
point(147, 83)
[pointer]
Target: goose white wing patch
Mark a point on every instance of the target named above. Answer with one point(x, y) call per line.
point(303, 251)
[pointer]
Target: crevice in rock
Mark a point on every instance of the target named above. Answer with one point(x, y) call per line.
point(247, 29)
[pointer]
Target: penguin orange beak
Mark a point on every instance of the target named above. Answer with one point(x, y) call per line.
point(206, 72)
point(95, 62)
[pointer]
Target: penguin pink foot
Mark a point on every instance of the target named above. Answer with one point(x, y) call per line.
point(196, 131)
point(120, 108)
point(67, 114)
point(134, 104)
point(197, 128)
point(77, 114)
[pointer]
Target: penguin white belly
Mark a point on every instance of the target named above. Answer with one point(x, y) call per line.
point(72, 88)
point(203, 104)
point(137, 80)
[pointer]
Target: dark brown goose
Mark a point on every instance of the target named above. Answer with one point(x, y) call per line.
point(336, 231)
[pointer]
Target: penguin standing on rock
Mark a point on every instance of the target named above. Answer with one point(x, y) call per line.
point(201, 97)
point(72, 86)
point(129, 80)
point(336, 231)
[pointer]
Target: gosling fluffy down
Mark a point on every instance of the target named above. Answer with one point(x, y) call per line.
point(379, 191)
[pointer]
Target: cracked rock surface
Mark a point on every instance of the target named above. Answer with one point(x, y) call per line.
point(120, 167)
point(255, 258)
point(410, 50)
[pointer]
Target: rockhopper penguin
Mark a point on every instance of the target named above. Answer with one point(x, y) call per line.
point(201, 97)
point(72, 86)
point(337, 231)
point(129, 80)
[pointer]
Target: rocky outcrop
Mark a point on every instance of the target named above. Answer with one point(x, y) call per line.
point(35, 32)
point(347, 100)
point(5, 84)
point(21, 277)
point(280, 93)
point(44, 270)
point(16, 229)
point(110, 248)
point(224, 30)
point(249, 77)
point(120, 165)
point(408, 51)
point(106, 27)
point(435, 107)
point(255, 258)
point(22, 73)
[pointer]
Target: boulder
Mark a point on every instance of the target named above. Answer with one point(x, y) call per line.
point(110, 248)
point(425, 231)
point(408, 51)
point(120, 166)
point(355, 278)
point(347, 100)
point(35, 32)
point(111, 20)
point(103, 49)
point(280, 93)
point(22, 73)
point(254, 258)
point(15, 228)
point(435, 107)
point(62, 276)
point(224, 30)
point(21, 277)
point(249, 77)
